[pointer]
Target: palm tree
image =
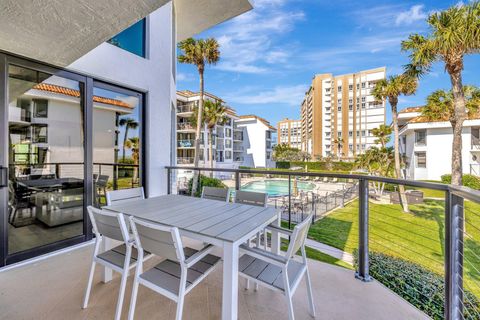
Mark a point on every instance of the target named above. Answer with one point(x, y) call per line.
point(199, 52)
point(128, 123)
point(214, 113)
point(382, 133)
point(454, 33)
point(391, 89)
point(133, 143)
point(339, 142)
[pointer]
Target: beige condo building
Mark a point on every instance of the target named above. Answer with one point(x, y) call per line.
point(290, 132)
point(339, 113)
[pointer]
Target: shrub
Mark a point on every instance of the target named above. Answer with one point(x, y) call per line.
point(421, 287)
point(468, 180)
point(205, 182)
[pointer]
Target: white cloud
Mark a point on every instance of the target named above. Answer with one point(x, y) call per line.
point(185, 77)
point(414, 14)
point(248, 43)
point(289, 95)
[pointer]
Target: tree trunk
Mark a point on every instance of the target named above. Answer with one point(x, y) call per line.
point(211, 151)
point(124, 142)
point(457, 125)
point(401, 188)
point(197, 134)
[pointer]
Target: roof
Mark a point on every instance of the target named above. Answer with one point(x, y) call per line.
point(412, 109)
point(190, 94)
point(264, 121)
point(76, 93)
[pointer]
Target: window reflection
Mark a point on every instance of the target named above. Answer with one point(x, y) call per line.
point(117, 143)
point(46, 152)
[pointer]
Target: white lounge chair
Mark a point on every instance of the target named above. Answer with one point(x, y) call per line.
point(174, 277)
point(279, 272)
point(121, 259)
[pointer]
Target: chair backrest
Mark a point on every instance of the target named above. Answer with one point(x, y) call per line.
point(211, 193)
point(252, 198)
point(102, 181)
point(298, 237)
point(160, 240)
point(124, 195)
point(108, 224)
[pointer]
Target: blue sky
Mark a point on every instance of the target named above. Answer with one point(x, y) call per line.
point(270, 54)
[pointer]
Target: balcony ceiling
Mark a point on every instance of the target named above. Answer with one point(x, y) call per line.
point(196, 16)
point(61, 31)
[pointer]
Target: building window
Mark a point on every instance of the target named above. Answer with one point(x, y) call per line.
point(363, 99)
point(132, 39)
point(350, 107)
point(228, 143)
point(420, 159)
point(350, 147)
point(25, 111)
point(268, 155)
point(339, 133)
point(339, 108)
point(420, 137)
point(363, 105)
point(40, 108)
point(363, 85)
point(339, 88)
point(228, 155)
point(350, 87)
point(228, 132)
point(350, 133)
point(40, 133)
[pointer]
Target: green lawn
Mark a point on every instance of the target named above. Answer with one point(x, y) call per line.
point(320, 256)
point(418, 236)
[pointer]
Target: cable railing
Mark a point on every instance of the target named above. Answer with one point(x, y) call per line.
point(429, 256)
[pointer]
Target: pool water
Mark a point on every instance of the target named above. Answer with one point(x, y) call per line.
point(276, 187)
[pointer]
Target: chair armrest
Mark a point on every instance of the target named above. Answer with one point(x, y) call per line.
point(279, 229)
point(198, 256)
point(264, 255)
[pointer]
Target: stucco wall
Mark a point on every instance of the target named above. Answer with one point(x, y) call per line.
point(154, 76)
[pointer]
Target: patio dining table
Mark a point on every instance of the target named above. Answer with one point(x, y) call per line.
point(223, 224)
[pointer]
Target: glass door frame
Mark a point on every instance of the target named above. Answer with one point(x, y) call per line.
point(86, 85)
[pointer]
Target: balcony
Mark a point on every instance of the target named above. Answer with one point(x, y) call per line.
point(186, 109)
point(189, 143)
point(185, 160)
point(238, 148)
point(185, 126)
point(54, 288)
point(237, 136)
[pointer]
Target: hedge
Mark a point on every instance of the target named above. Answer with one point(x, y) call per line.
point(468, 180)
point(318, 165)
point(205, 182)
point(421, 287)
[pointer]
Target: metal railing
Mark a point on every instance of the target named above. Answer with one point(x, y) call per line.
point(185, 160)
point(448, 286)
point(475, 169)
point(185, 126)
point(185, 108)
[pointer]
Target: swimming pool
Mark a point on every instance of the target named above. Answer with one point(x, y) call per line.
point(276, 187)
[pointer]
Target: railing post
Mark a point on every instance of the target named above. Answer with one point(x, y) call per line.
point(363, 264)
point(237, 180)
point(289, 203)
point(454, 216)
point(115, 177)
point(169, 181)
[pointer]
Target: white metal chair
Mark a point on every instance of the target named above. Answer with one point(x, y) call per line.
point(221, 194)
point(124, 195)
point(174, 277)
point(121, 259)
point(279, 272)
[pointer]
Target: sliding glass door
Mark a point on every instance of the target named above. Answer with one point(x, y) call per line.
point(65, 140)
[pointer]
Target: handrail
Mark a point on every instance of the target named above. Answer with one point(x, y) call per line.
point(411, 183)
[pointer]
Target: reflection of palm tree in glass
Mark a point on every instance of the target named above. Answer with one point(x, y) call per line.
point(129, 123)
point(134, 144)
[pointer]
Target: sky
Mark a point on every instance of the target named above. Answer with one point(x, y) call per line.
point(270, 54)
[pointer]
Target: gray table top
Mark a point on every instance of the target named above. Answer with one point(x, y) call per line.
point(211, 218)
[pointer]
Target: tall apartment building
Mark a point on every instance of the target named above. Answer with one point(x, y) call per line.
point(339, 112)
point(290, 132)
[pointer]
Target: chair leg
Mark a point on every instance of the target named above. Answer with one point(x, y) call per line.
point(288, 295)
point(133, 299)
point(89, 285)
point(181, 299)
point(123, 283)
point(311, 305)
point(247, 284)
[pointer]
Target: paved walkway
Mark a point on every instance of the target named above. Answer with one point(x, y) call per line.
point(331, 251)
